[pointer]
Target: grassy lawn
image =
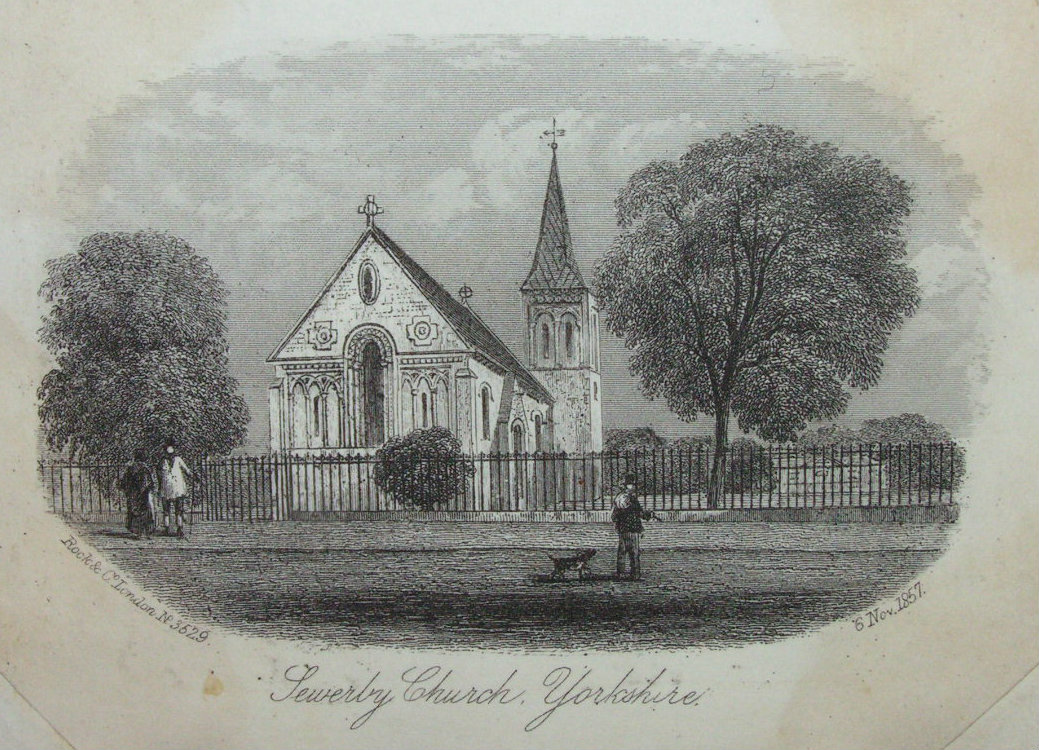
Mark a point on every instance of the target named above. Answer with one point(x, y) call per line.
point(481, 585)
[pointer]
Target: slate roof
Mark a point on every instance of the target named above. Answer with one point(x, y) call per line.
point(554, 264)
point(466, 323)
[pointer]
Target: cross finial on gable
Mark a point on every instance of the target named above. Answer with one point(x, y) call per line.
point(554, 132)
point(370, 209)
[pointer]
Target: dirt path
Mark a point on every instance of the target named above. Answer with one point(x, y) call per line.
point(476, 585)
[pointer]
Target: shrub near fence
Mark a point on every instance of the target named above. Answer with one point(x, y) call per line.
point(281, 486)
point(686, 470)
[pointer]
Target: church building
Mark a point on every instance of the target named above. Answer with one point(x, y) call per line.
point(385, 349)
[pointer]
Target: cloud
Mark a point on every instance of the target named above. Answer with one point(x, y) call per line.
point(509, 148)
point(946, 269)
point(657, 136)
point(449, 194)
point(262, 163)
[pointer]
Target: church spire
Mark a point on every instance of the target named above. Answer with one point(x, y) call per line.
point(554, 264)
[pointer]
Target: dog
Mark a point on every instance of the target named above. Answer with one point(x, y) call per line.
point(579, 562)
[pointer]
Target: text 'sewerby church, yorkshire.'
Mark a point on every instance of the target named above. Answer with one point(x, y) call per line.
point(385, 349)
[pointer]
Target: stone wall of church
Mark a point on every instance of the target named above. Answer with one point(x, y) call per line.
point(487, 388)
point(312, 405)
point(429, 378)
point(371, 298)
point(393, 303)
point(577, 412)
point(507, 415)
point(563, 351)
point(307, 406)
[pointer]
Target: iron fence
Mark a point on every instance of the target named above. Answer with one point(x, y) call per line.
point(283, 486)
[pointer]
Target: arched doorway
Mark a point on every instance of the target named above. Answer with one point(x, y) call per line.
point(518, 465)
point(373, 396)
point(370, 388)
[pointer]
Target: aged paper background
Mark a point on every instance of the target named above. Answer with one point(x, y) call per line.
point(102, 675)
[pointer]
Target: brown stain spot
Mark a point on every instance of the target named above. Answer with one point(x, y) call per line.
point(212, 685)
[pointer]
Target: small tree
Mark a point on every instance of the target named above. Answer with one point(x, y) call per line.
point(935, 463)
point(423, 469)
point(760, 275)
point(905, 428)
point(137, 328)
point(631, 451)
point(750, 468)
point(639, 438)
point(918, 455)
point(829, 435)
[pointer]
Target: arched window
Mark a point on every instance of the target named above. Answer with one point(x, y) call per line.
point(333, 417)
point(299, 416)
point(517, 437)
point(425, 403)
point(438, 404)
point(571, 340)
point(314, 417)
point(538, 437)
point(595, 342)
point(595, 390)
point(485, 412)
point(546, 341)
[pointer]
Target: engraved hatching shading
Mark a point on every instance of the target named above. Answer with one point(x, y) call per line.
point(260, 165)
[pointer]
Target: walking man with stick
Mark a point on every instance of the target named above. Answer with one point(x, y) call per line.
point(627, 517)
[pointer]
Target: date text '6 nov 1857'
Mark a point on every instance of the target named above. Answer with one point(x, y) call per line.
point(903, 600)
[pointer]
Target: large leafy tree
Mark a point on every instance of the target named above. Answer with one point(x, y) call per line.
point(137, 328)
point(760, 275)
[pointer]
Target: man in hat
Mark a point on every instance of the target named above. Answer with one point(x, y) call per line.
point(627, 517)
point(174, 476)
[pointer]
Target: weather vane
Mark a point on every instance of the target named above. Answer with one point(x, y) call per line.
point(554, 132)
point(370, 209)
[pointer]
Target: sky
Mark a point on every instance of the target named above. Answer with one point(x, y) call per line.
point(261, 161)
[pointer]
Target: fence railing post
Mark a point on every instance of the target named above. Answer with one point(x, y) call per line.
point(268, 487)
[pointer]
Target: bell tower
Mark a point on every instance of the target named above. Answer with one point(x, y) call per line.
point(563, 326)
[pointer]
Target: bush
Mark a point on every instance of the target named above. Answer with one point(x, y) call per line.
point(423, 469)
point(918, 455)
point(640, 438)
point(639, 451)
point(750, 468)
point(928, 469)
point(683, 466)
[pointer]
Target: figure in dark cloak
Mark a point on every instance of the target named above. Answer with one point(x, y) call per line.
point(137, 483)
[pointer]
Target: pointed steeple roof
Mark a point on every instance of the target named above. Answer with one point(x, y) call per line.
point(554, 264)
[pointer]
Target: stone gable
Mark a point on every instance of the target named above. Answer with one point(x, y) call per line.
point(399, 307)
